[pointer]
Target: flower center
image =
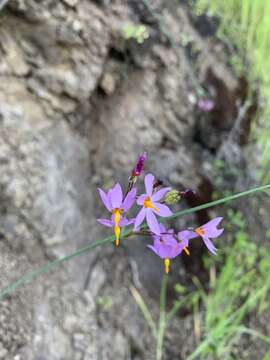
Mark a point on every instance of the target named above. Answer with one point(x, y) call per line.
point(148, 204)
point(117, 216)
point(167, 265)
point(200, 231)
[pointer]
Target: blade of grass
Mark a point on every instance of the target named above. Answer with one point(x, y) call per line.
point(254, 333)
point(144, 309)
point(177, 306)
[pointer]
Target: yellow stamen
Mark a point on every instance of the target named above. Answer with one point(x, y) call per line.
point(200, 231)
point(117, 230)
point(167, 265)
point(148, 204)
point(186, 251)
point(117, 235)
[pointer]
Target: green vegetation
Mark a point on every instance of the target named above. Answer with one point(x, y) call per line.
point(137, 32)
point(240, 288)
point(245, 25)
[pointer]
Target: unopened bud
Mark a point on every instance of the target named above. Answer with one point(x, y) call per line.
point(139, 165)
point(187, 193)
point(157, 183)
point(172, 197)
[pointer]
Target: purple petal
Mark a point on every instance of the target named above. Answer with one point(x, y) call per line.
point(163, 210)
point(206, 104)
point(168, 250)
point(169, 239)
point(186, 235)
point(139, 218)
point(210, 228)
point(184, 243)
point(105, 222)
point(141, 198)
point(160, 193)
point(105, 199)
point(210, 246)
point(153, 249)
point(162, 228)
point(152, 222)
point(149, 182)
point(129, 200)
point(125, 222)
point(173, 250)
point(116, 196)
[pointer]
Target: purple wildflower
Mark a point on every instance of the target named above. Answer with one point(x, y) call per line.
point(166, 246)
point(139, 165)
point(150, 204)
point(206, 105)
point(117, 205)
point(206, 231)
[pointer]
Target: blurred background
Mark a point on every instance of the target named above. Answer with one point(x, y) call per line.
point(85, 86)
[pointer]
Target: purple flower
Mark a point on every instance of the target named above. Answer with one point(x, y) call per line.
point(206, 231)
point(166, 246)
point(150, 204)
point(117, 205)
point(139, 165)
point(206, 105)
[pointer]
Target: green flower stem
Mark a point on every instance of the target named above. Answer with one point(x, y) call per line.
point(27, 278)
point(216, 202)
point(162, 317)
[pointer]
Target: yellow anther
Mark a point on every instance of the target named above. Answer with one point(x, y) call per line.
point(167, 265)
point(117, 235)
point(186, 251)
point(117, 230)
point(200, 231)
point(148, 204)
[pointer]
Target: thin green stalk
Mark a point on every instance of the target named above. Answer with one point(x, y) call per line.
point(216, 202)
point(245, 330)
point(176, 307)
point(52, 264)
point(162, 317)
point(144, 309)
point(28, 277)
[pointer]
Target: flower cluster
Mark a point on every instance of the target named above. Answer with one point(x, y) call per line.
point(167, 244)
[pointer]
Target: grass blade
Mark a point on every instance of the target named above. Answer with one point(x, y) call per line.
point(144, 309)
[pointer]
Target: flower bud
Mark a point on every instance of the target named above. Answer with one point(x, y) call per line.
point(139, 165)
point(172, 197)
point(157, 183)
point(187, 193)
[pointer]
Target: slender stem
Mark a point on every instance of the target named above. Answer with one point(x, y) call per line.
point(28, 277)
point(144, 309)
point(162, 317)
point(176, 307)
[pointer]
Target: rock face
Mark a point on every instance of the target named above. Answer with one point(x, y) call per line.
point(78, 102)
